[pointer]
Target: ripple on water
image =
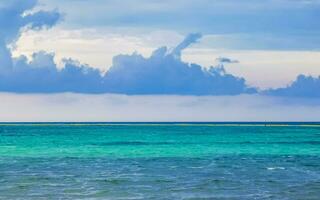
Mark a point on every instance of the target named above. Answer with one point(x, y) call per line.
point(225, 177)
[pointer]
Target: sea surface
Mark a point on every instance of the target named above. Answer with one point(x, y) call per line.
point(160, 161)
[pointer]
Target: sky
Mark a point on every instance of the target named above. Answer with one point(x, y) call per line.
point(189, 56)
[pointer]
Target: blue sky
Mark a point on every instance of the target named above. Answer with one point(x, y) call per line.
point(200, 48)
point(270, 24)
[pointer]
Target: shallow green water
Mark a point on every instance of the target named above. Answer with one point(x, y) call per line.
point(159, 161)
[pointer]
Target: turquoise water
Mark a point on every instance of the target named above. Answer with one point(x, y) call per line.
point(159, 161)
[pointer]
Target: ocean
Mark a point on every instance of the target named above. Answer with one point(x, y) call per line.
point(160, 161)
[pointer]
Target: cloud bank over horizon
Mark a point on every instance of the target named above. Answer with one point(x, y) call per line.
point(162, 73)
point(67, 107)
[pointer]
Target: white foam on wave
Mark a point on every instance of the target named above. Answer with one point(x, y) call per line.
point(276, 168)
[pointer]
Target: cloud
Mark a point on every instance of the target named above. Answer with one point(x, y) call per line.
point(165, 73)
point(303, 86)
point(42, 75)
point(162, 73)
point(107, 107)
point(17, 14)
point(14, 16)
point(226, 60)
point(190, 39)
